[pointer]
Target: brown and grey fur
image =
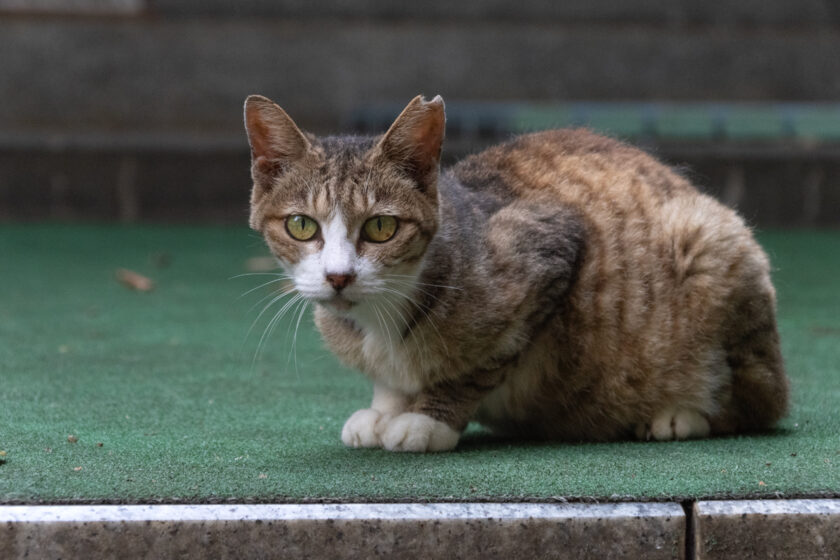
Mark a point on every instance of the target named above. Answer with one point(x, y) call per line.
point(569, 286)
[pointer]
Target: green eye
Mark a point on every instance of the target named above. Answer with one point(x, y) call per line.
point(379, 228)
point(302, 228)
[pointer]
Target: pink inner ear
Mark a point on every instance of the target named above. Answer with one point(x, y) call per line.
point(259, 135)
point(272, 133)
point(428, 137)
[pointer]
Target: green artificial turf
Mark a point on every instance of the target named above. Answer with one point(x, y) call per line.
point(162, 391)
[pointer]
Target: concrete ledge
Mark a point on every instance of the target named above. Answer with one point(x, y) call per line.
point(767, 529)
point(631, 530)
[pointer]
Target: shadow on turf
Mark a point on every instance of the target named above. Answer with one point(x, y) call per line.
point(482, 439)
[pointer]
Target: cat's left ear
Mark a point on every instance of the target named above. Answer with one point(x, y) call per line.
point(414, 140)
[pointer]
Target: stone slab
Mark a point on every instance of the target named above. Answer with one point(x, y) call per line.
point(493, 530)
point(778, 529)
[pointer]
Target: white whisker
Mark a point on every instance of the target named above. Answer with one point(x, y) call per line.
point(299, 311)
point(393, 321)
point(412, 280)
point(269, 329)
point(413, 286)
point(259, 274)
point(426, 312)
point(384, 326)
point(281, 293)
point(277, 297)
point(262, 286)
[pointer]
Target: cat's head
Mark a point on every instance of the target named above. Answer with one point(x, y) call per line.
point(349, 218)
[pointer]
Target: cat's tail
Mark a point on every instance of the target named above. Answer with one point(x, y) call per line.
point(759, 390)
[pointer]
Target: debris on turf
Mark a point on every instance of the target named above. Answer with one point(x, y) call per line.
point(2, 457)
point(161, 259)
point(77, 469)
point(72, 439)
point(135, 281)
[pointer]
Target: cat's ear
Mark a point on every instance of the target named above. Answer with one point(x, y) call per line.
point(276, 141)
point(414, 140)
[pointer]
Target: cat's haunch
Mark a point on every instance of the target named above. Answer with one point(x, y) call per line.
point(562, 285)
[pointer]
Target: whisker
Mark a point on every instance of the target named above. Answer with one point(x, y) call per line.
point(269, 329)
point(413, 282)
point(259, 274)
point(277, 297)
point(409, 285)
point(262, 286)
point(398, 308)
point(282, 293)
point(300, 309)
point(393, 322)
point(261, 313)
point(426, 313)
point(382, 324)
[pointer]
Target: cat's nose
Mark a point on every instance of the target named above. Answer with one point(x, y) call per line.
point(340, 281)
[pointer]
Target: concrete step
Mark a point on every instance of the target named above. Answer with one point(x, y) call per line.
point(652, 12)
point(780, 529)
point(192, 74)
point(363, 531)
point(704, 530)
point(206, 178)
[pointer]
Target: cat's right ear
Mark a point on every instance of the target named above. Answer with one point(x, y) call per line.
point(276, 141)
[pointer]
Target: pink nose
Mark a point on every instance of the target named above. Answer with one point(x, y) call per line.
point(340, 281)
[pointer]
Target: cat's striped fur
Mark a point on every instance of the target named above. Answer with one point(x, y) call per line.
point(562, 285)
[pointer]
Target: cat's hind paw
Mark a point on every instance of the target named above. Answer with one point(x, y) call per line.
point(360, 429)
point(675, 423)
point(411, 431)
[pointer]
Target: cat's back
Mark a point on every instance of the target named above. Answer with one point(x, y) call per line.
point(577, 165)
point(647, 229)
point(637, 212)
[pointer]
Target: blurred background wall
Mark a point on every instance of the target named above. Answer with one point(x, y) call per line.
point(130, 110)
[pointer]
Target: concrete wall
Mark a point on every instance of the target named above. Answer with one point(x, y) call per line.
point(130, 77)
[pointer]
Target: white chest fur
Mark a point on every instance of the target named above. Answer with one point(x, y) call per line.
point(391, 359)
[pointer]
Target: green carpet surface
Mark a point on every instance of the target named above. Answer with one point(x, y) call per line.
point(166, 401)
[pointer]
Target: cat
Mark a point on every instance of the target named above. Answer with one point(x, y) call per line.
point(562, 285)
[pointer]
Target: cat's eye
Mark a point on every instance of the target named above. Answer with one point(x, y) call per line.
point(302, 228)
point(379, 229)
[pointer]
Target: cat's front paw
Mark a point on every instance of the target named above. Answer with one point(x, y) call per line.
point(360, 429)
point(411, 431)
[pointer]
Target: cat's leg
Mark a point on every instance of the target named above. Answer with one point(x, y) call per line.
point(438, 415)
point(364, 426)
point(675, 423)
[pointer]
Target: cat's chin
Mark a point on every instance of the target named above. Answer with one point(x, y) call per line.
point(338, 304)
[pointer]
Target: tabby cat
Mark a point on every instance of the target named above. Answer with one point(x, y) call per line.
point(562, 285)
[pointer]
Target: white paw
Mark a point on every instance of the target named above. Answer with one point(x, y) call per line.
point(417, 432)
point(675, 423)
point(360, 429)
